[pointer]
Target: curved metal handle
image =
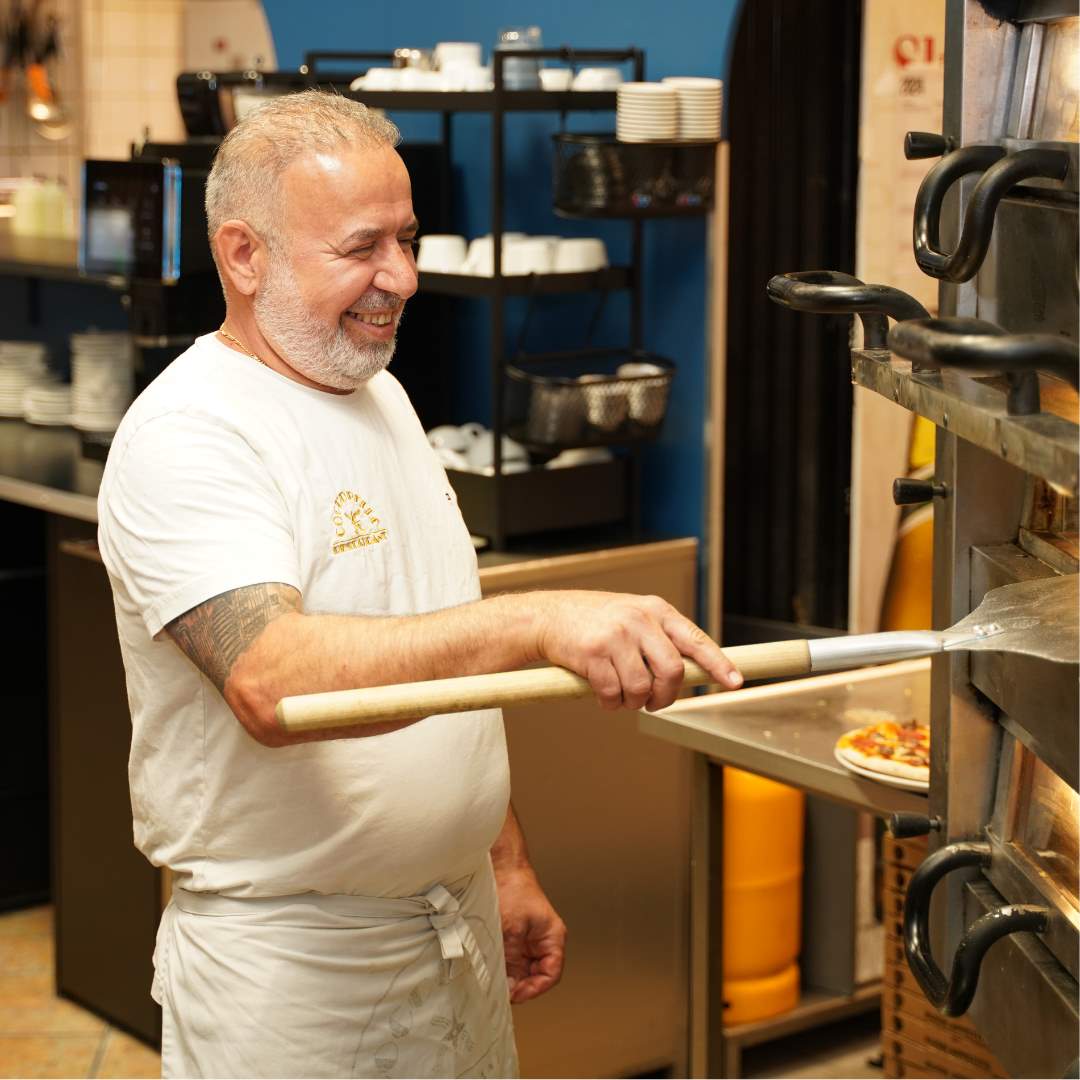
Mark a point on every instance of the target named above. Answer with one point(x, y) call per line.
point(1001, 174)
point(954, 995)
point(977, 345)
point(829, 292)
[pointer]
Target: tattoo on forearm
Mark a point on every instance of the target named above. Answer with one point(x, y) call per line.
point(214, 634)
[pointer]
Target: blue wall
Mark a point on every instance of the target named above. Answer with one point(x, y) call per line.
point(681, 37)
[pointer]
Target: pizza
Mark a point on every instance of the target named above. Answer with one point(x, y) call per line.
point(884, 745)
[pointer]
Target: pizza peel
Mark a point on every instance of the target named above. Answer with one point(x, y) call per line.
point(1037, 618)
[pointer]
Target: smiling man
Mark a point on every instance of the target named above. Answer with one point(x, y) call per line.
point(354, 902)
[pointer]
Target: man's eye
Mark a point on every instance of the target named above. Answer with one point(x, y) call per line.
point(409, 243)
point(364, 252)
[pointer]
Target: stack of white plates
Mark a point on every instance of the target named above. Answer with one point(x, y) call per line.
point(22, 364)
point(700, 104)
point(102, 380)
point(647, 112)
point(48, 404)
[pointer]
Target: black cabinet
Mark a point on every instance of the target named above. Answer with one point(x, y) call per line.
point(24, 775)
point(107, 896)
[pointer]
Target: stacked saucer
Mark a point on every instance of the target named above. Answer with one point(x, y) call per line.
point(647, 112)
point(700, 104)
point(102, 380)
point(48, 404)
point(22, 364)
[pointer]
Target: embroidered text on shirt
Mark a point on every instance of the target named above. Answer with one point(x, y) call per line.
point(355, 523)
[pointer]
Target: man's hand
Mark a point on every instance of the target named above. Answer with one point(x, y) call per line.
point(534, 937)
point(629, 647)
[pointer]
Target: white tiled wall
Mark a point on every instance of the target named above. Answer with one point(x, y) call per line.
point(133, 52)
point(116, 74)
point(23, 151)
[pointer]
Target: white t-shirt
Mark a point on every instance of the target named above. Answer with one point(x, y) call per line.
point(224, 474)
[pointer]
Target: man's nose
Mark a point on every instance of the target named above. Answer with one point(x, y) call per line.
point(398, 273)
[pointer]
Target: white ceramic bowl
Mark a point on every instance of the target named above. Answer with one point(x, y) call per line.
point(441, 253)
point(579, 254)
point(597, 78)
point(379, 78)
point(452, 459)
point(448, 437)
point(458, 54)
point(533, 255)
point(481, 451)
point(556, 78)
point(479, 259)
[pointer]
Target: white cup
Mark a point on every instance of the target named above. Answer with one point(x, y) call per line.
point(418, 79)
point(452, 459)
point(555, 78)
point(472, 430)
point(529, 256)
point(607, 404)
point(597, 78)
point(481, 451)
point(648, 393)
point(448, 437)
point(380, 78)
point(479, 78)
point(480, 260)
point(579, 254)
point(458, 54)
point(441, 253)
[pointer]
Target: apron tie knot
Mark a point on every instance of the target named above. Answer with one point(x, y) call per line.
point(455, 938)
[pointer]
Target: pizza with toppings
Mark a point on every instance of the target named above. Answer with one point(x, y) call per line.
point(884, 745)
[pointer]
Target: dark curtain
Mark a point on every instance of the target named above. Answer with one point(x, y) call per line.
point(793, 126)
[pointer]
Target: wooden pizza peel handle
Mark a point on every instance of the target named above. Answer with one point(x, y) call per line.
point(407, 701)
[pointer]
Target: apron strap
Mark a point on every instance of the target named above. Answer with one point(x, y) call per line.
point(456, 939)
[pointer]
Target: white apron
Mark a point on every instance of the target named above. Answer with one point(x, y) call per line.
point(335, 986)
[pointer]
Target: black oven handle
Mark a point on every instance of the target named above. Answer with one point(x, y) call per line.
point(829, 292)
point(980, 346)
point(1000, 175)
point(954, 995)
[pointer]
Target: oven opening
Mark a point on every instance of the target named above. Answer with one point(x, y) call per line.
point(1044, 830)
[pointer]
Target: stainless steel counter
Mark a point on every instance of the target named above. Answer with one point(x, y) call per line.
point(43, 467)
point(787, 731)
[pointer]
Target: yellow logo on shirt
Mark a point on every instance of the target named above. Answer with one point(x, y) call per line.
point(355, 523)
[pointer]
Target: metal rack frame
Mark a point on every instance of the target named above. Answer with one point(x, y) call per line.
point(498, 103)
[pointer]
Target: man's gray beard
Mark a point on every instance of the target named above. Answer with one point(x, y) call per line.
point(325, 354)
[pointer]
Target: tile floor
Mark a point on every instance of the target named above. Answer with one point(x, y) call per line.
point(42, 1035)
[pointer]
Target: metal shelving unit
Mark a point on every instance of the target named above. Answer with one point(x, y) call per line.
point(508, 504)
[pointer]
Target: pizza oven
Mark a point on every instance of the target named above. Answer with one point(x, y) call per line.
point(992, 917)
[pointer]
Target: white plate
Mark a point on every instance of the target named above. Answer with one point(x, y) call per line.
point(891, 781)
point(46, 421)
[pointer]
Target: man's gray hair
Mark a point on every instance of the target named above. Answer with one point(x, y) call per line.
point(245, 180)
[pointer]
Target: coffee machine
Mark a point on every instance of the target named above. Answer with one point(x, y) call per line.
point(144, 220)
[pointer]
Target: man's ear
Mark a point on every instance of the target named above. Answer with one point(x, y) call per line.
point(242, 255)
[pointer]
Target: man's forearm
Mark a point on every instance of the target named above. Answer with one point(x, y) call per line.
point(509, 852)
point(299, 653)
point(257, 646)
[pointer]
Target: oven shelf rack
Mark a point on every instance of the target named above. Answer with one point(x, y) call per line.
point(974, 409)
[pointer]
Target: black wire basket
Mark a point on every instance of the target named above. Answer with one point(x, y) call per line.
point(595, 398)
point(598, 176)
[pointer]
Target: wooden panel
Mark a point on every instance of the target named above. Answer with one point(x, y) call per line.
point(606, 814)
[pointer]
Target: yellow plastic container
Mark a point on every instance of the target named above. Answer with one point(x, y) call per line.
point(755, 999)
point(763, 849)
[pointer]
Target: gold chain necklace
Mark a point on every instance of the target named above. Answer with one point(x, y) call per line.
point(240, 345)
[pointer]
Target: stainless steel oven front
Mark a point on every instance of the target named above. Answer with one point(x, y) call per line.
point(991, 918)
